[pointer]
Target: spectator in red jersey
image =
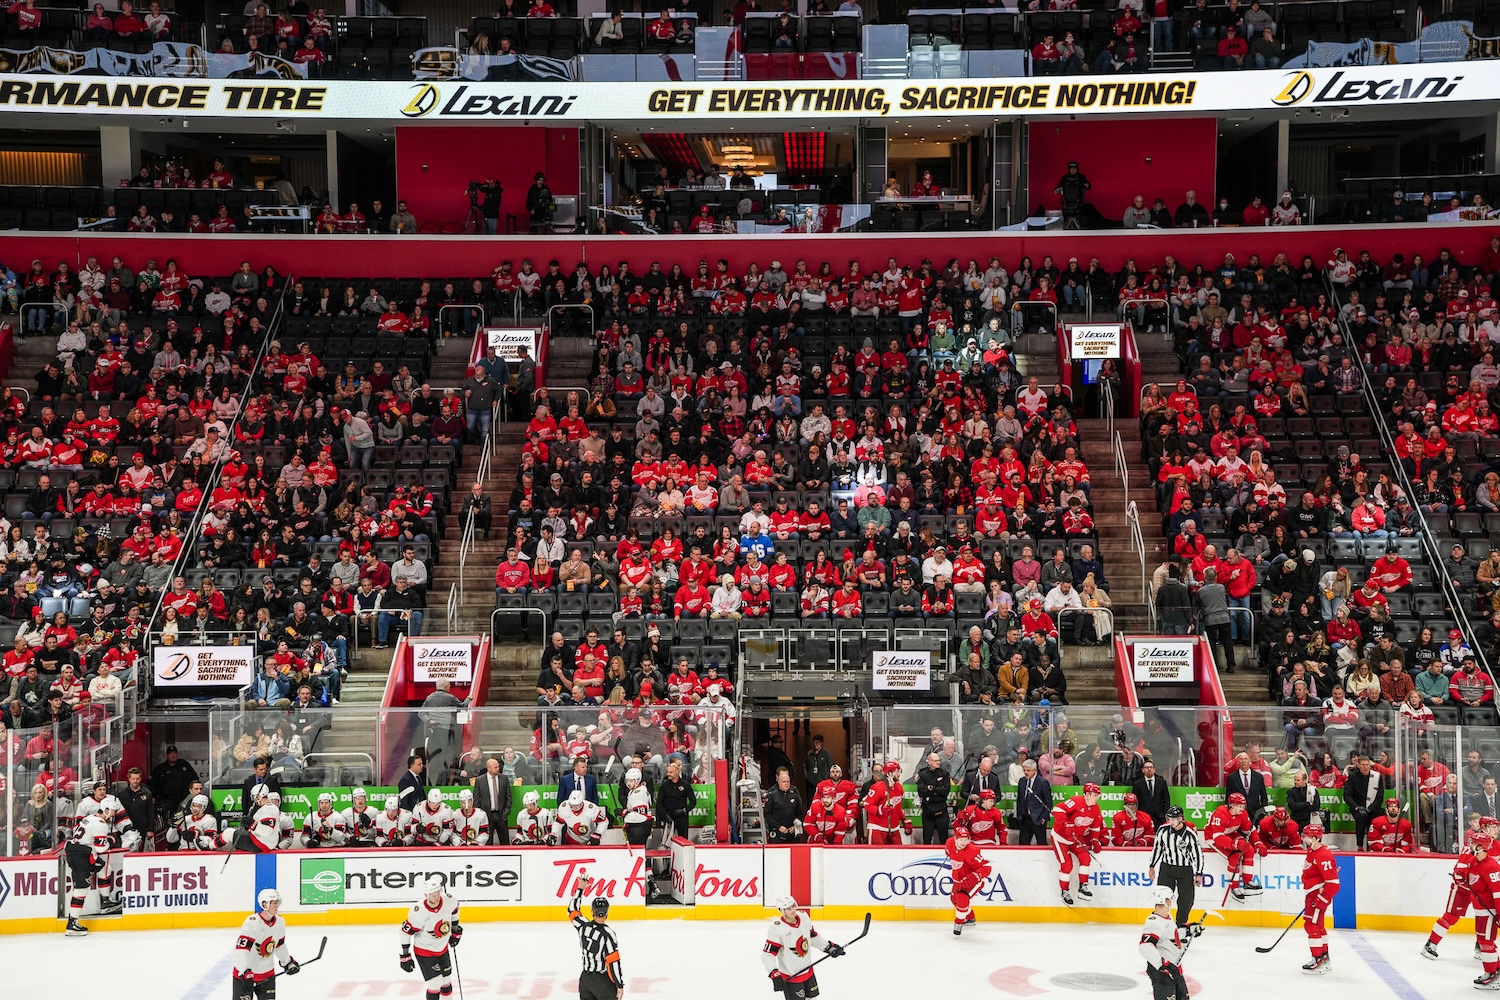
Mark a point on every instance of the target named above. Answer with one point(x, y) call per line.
point(1233, 49)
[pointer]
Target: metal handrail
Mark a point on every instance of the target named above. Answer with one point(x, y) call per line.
point(1122, 467)
point(1107, 403)
point(593, 317)
point(26, 393)
point(1144, 300)
point(452, 607)
point(1109, 612)
point(466, 540)
point(1138, 544)
point(459, 305)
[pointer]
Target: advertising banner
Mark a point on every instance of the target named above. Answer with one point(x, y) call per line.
point(901, 670)
point(508, 341)
point(1095, 341)
point(165, 59)
point(201, 666)
point(435, 660)
point(1162, 661)
point(565, 102)
point(397, 876)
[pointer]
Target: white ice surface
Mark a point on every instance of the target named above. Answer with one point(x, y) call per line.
point(681, 959)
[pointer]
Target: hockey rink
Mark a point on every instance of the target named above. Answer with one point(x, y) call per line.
point(683, 959)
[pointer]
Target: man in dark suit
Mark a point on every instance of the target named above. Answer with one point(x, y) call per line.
point(1251, 784)
point(1486, 801)
point(1363, 791)
point(581, 779)
point(411, 789)
point(1033, 804)
point(259, 775)
point(1152, 793)
point(492, 794)
point(984, 777)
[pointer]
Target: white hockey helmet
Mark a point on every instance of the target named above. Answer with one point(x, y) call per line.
point(274, 797)
point(325, 797)
point(259, 792)
point(531, 799)
point(267, 897)
point(466, 796)
point(433, 885)
point(435, 797)
point(633, 775)
point(785, 902)
point(575, 798)
point(199, 802)
point(392, 804)
point(358, 794)
point(1163, 894)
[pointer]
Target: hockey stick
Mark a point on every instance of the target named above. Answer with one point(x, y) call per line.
point(1199, 924)
point(852, 940)
point(458, 976)
point(1234, 873)
point(1273, 944)
point(321, 945)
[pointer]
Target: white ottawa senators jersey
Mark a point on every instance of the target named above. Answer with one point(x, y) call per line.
point(90, 806)
point(534, 827)
point(792, 948)
point(432, 826)
point(266, 828)
point(471, 828)
point(393, 831)
point(579, 827)
point(195, 834)
point(287, 828)
point(638, 805)
point(325, 829)
point(261, 945)
point(94, 833)
point(360, 822)
point(1161, 941)
point(427, 928)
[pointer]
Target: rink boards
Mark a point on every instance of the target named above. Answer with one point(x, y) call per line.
point(709, 882)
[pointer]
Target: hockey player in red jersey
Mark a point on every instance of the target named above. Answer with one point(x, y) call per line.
point(986, 823)
point(1485, 887)
point(969, 872)
point(826, 822)
point(1391, 833)
point(845, 792)
point(884, 817)
point(1229, 832)
point(1077, 835)
point(1278, 831)
point(1320, 883)
point(1460, 893)
point(1131, 827)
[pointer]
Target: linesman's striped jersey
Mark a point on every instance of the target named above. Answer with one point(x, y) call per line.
point(601, 949)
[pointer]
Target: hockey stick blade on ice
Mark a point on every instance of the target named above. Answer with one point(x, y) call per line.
point(1273, 944)
point(852, 940)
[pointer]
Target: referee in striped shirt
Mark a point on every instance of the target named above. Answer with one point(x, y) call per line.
point(601, 978)
point(1177, 860)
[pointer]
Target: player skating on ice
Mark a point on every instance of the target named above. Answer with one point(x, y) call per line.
point(826, 822)
point(789, 954)
point(1162, 945)
point(1485, 891)
point(471, 827)
point(196, 830)
point(1230, 832)
point(88, 863)
point(884, 817)
point(1460, 893)
point(986, 823)
point(533, 824)
point(969, 872)
point(1077, 835)
point(392, 827)
point(602, 977)
point(261, 945)
point(431, 928)
point(1320, 883)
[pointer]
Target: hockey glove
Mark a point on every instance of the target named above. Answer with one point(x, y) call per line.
point(906, 827)
point(291, 968)
point(1193, 930)
point(834, 951)
point(1169, 969)
point(1261, 849)
point(408, 964)
point(456, 936)
point(777, 983)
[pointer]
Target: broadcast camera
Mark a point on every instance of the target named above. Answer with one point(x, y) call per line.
point(490, 188)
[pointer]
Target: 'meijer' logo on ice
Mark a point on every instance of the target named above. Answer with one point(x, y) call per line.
point(931, 876)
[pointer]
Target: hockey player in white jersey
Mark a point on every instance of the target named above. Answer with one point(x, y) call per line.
point(286, 826)
point(393, 826)
point(324, 827)
point(263, 835)
point(430, 930)
point(1162, 945)
point(197, 829)
point(432, 822)
point(260, 946)
point(471, 827)
point(127, 837)
point(533, 823)
point(637, 809)
point(790, 951)
point(87, 853)
point(579, 822)
point(360, 819)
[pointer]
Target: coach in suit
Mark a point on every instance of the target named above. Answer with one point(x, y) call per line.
point(1364, 793)
point(1033, 804)
point(410, 788)
point(259, 775)
point(492, 794)
point(578, 778)
point(1251, 784)
point(1151, 791)
point(1486, 801)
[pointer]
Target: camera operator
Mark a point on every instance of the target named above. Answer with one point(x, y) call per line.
point(489, 206)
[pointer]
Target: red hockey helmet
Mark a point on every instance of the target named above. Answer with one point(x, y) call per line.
point(1131, 799)
point(988, 793)
point(1488, 821)
point(1280, 815)
point(961, 831)
point(892, 767)
point(1236, 799)
point(1091, 789)
point(1482, 842)
point(1313, 829)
